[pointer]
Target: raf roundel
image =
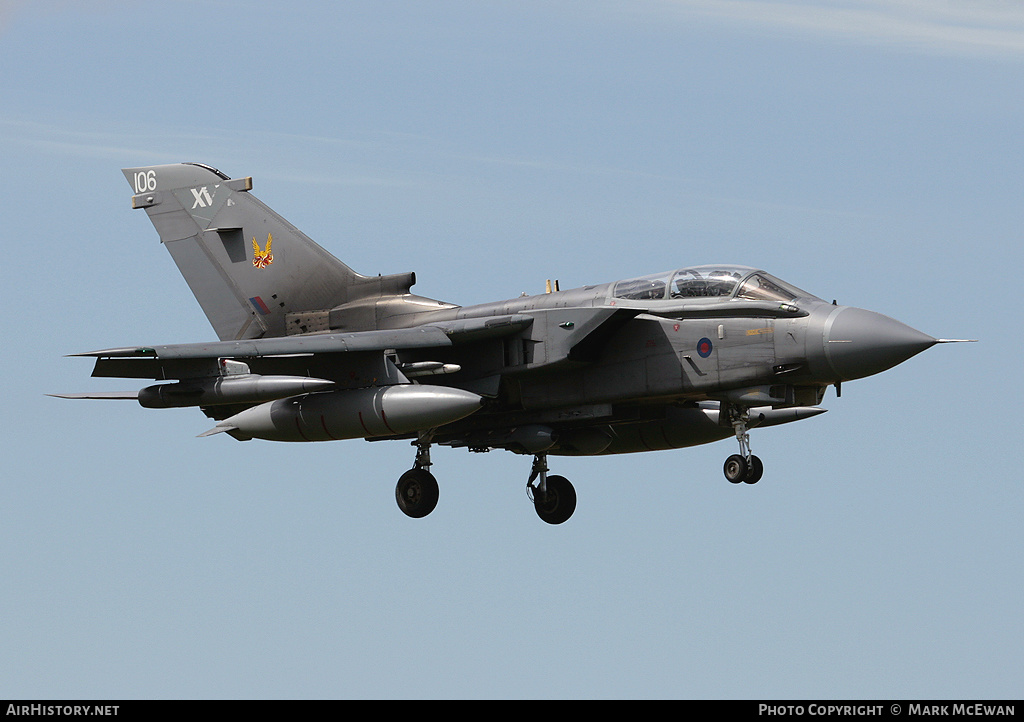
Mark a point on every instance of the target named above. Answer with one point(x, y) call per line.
point(704, 347)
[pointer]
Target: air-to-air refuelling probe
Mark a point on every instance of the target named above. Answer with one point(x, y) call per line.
point(310, 350)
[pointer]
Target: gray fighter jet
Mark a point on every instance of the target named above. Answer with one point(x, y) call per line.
point(310, 350)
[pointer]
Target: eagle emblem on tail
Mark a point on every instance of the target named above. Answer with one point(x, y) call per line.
point(261, 258)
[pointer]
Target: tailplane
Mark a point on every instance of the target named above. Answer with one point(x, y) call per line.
point(254, 274)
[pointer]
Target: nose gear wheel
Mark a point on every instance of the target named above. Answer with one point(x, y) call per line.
point(742, 467)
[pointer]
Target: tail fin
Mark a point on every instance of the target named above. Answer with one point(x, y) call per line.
point(247, 266)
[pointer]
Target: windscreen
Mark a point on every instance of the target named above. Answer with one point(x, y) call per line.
point(763, 287)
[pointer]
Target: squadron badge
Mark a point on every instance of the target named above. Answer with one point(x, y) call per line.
point(261, 258)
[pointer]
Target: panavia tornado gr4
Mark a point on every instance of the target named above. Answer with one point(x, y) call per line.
point(310, 350)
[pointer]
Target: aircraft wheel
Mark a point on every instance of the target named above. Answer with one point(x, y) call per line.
point(754, 471)
point(558, 503)
point(416, 493)
point(735, 468)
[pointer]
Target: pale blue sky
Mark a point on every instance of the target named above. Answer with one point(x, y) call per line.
point(866, 151)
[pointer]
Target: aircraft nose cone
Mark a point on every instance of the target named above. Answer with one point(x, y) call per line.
point(860, 343)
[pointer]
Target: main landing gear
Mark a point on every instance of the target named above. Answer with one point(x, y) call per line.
point(744, 466)
point(417, 490)
point(554, 498)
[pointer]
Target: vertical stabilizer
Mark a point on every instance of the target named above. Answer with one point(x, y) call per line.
point(247, 266)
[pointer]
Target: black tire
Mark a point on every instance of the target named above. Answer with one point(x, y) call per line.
point(754, 471)
point(416, 493)
point(558, 504)
point(735, 468)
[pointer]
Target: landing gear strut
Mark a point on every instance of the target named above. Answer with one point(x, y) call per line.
point(554, 498)
point(417, 492)
point(744, 466)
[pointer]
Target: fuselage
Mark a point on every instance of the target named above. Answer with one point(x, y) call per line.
point(697, 333)
point(667, 343)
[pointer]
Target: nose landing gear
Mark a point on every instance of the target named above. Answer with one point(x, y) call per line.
point(742, 467)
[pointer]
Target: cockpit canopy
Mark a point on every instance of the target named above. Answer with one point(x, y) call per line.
point(699, 282)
